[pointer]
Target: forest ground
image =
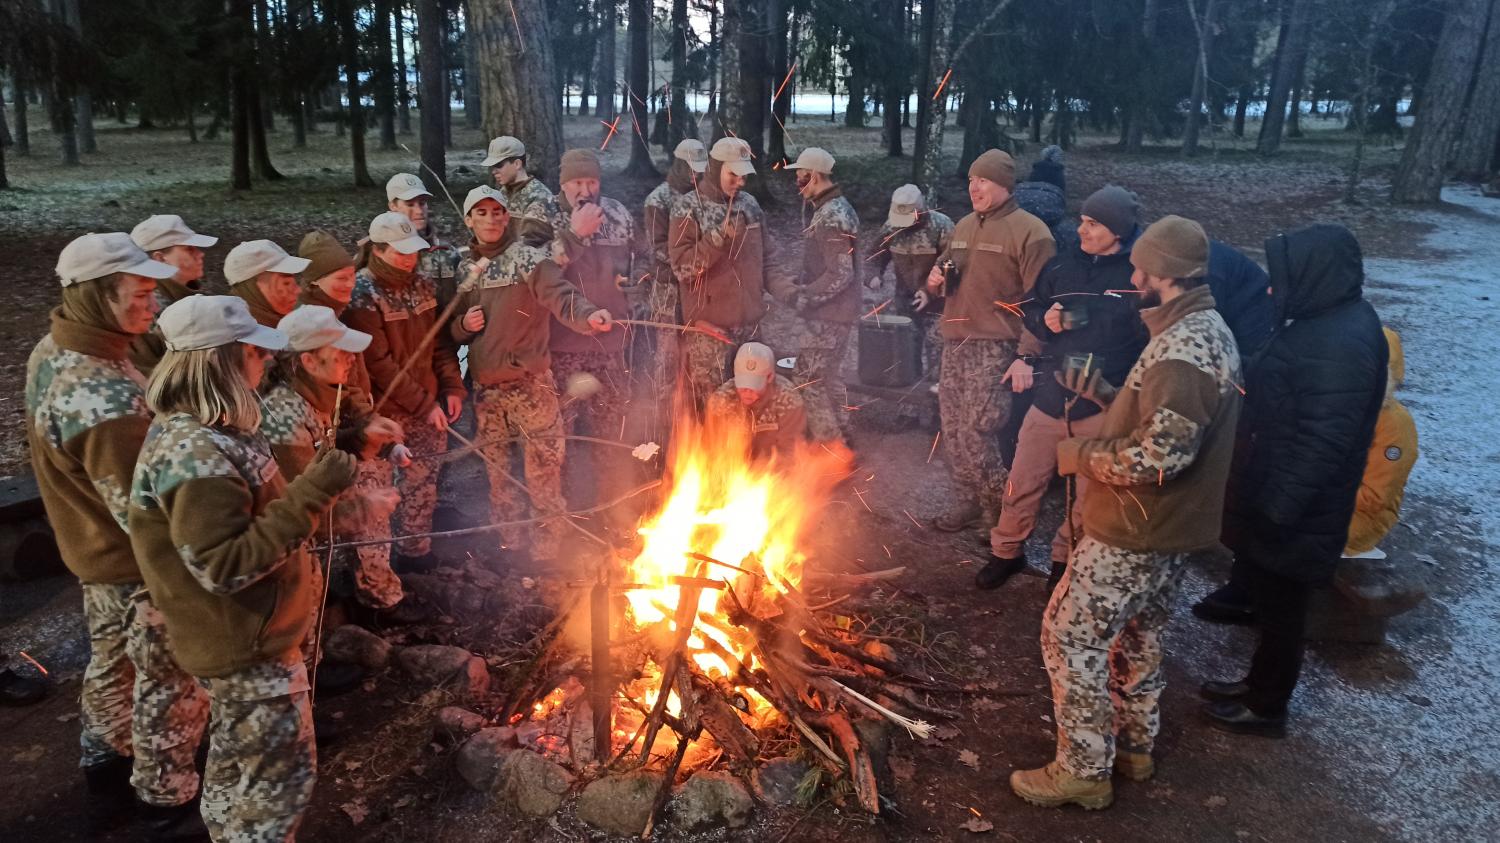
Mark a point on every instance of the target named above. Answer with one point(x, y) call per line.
point(1391, 742)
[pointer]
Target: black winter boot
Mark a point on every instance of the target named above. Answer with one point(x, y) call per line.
point(110, 797)
point(1229, 605)
point(1234, 716)
point(997, 571)
point(16, 689)
point(174, 823)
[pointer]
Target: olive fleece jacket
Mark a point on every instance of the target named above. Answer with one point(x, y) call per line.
point(223, 536)
point(999, 254)
point(86, 418)
point(720, 256)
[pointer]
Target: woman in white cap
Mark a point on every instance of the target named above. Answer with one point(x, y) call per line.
point(265, 276)
point(406, 195)
point(413, 364)
point(299, 420)
point(166, 238)
point(223, 538)
point(86, 420)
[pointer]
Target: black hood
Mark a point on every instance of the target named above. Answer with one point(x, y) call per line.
point(1314, 269)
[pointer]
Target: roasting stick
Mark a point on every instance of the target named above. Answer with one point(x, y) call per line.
point(328, 439)
point(522, 486)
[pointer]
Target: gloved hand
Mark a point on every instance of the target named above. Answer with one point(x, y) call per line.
point(1092, 385)
point(331, 471)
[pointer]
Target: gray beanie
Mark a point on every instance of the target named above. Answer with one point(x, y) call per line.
point(1115, 208)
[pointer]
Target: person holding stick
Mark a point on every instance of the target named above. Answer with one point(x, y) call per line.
point(222, 541)
point(406, 195)
point(413, 364)
point(508, 293)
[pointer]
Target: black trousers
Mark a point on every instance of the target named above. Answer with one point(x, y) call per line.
point(1281, 615)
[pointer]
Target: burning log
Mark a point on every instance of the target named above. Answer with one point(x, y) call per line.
point(861, 768)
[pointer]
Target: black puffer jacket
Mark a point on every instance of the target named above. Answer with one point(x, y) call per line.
point(1115, 332)
point(1310, 408)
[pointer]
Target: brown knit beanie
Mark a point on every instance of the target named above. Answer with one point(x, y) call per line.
point(997, 166)
point(1172, 247)
point(326, 254)
point(579, 164)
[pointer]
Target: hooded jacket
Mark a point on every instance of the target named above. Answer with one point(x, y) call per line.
point(721, 273)
point(1311, 407)
point(1239, 287)
point(1114, 334)
point(1393, 452)
point(86, 418)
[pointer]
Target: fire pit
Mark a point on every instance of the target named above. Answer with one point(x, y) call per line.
point(712, 639)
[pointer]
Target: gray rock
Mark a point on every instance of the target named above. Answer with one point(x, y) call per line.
point(776, 780)
point(620, 804)
point(454, 723)
point(531, 784)
point(711, 800)
point(437, 664)
point(350, 643)
point(480, 758)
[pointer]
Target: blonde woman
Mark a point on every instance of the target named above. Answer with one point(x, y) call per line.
point(222, 538)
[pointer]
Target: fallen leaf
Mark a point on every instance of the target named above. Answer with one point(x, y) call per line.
point(404, 801)
point(945, 733)
point(356, 811)
point(978, 826)
point(63, 718)
point(968, 758)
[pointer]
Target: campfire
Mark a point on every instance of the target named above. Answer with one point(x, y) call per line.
point(713, 639)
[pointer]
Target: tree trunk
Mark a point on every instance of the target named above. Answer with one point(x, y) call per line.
point(83, 102)
point(732, 100)
point(259, 151)
point(403, 88)
point(1140, 103)
point(264, 66)
point(679, 119)
point(637, 82)
point(893, 75)
point(1204, 28)
point(1291, 50)
point(240, 48)
point(22, 88)
point(1294, 109)
point(716, 48)
point(780, 78)
point(755, 85)
point(1476, 144)
point(607, 84)
point(430, 93)
point(854, 108)
point(384, 77)
point(518, 78)
point(1419, 177)
point(1241, 105)
point(937, 28)
point(349, 49)
point(1368, 79)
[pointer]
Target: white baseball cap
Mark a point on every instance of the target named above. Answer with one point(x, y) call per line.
point(503, 148)
point(396, 231)
point(694, 153)
point(814, 158)
point(312, 326)
point(735, 154)
point(481, 193)
point(404, 186)
point(250, 259)
point(754, 365)
point(199, 322)
point(97, 255)
point(906, 205)
point(163, 231)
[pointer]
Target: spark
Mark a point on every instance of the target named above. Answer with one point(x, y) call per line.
point(887, 548)
point(34, 663)
point(934, 446)
point(783, 129)
point(939, 91)
point(806, 385)
point(1161, 476)
point(913, 520)
point(877, 254)
point(1237, 386)
point(859, 494)
point(878, 308)
point(790, 71)
point(613, 127)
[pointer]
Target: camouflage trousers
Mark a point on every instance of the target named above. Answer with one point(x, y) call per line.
point(136, 700)
point(1101, 641)
point(262, 759)
point(418, 482)
point(528, 409)
point(375, 584)
point(706, 363)
point(819, 374)
point(973, 405)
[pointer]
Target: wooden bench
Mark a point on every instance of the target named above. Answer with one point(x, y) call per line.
point(28, 549)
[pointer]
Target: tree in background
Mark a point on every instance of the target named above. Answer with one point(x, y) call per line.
point(1419, 176)
point(637, 83)
point(1474, 152)
point(518, 79)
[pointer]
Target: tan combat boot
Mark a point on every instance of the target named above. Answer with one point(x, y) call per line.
point(1136, 766)
point(1053, 787)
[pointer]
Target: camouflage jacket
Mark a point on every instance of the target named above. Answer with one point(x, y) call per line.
point(517, 291)
point(86, 417)
point(400, 317)
point(774, 424)
point(912, 250)
point(222, 537)
point(296, 428)
point(440, 263)
point(721, 269)
point(599, 266)
point(657, 219)
point(532, 210)
point(1162, 456)
point(828, 290)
